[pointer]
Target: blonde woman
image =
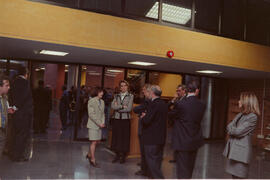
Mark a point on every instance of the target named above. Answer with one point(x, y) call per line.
point(238, 149)
point(96, 121)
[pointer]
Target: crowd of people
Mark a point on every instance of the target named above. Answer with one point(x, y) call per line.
point(184, 112)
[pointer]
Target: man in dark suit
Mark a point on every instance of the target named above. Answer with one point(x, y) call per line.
point(21, 97)
point(139, 110)
point(154, 132)
point(187, 134)
point(181, 93)
point(41, 99)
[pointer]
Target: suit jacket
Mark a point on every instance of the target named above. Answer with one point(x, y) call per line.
point(187, 115)
point(119, 111)
point(21, 96)
point(139, 110)
point(239, 146)
point(155, 123)
point(96, 114)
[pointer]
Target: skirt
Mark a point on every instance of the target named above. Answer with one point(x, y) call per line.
point(121, 135)
point(94, 134)
point(236, 168)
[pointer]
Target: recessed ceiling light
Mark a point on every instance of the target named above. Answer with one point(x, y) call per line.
point(43, 68)
point(66, 65)
point(114, 70)
point(54, 53)
point(141, 63)
point(209, 72)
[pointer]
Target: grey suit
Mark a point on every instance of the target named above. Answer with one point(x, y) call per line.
point(239, 147)
point(96, 118)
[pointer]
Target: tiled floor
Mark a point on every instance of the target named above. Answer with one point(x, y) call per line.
point(55, 155)
point(55, 160)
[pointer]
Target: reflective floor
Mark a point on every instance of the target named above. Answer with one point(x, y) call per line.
point(55, 155)
point(55, 160)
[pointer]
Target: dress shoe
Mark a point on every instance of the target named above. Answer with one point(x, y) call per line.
point(140, 173)
point(94, 164)
point(122, 160)
point(5, 152)
point(115, 159)
point(172, 161)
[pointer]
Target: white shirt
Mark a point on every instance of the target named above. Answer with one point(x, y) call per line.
point(122, 95)
point(191, 94)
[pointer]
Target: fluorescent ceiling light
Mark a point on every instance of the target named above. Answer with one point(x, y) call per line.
point(114, 70)
point(141, 63)
point(94, 74)
point(54, 53)
point(171, 13)
point(209, 72)
point(111, 75)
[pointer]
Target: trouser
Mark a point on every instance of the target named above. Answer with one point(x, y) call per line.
point(2, 140)
point(153, 156)
point(143, 161)
point(63, 117)
point(21, 145)
point(185, 161)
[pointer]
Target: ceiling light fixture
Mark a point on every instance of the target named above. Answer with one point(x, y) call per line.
point(114, 70)
point(54, 53)
point(209, 72)
point(141, 63)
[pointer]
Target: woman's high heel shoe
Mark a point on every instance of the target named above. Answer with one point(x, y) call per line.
point(94, 164)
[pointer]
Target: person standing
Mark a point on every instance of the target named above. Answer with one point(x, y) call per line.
point(41, 107)
point(122, 106)
point(139, 110)
point(181, 93)
point(63, 107)
point(187, 133)
point(4, 110)
point(238, 150)
point(96, 121)
point(21, 98)
point(154, 132)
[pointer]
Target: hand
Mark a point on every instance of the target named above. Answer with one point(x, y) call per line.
point(102, 125)
point(124, 107)
point(142, 115)
point(11, 110)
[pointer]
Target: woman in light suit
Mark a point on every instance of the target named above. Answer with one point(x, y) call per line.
point(96, 121)
point(238, 149)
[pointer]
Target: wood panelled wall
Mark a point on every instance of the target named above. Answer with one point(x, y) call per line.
point(262, 89)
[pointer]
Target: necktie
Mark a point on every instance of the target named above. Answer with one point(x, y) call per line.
point(3, 117)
